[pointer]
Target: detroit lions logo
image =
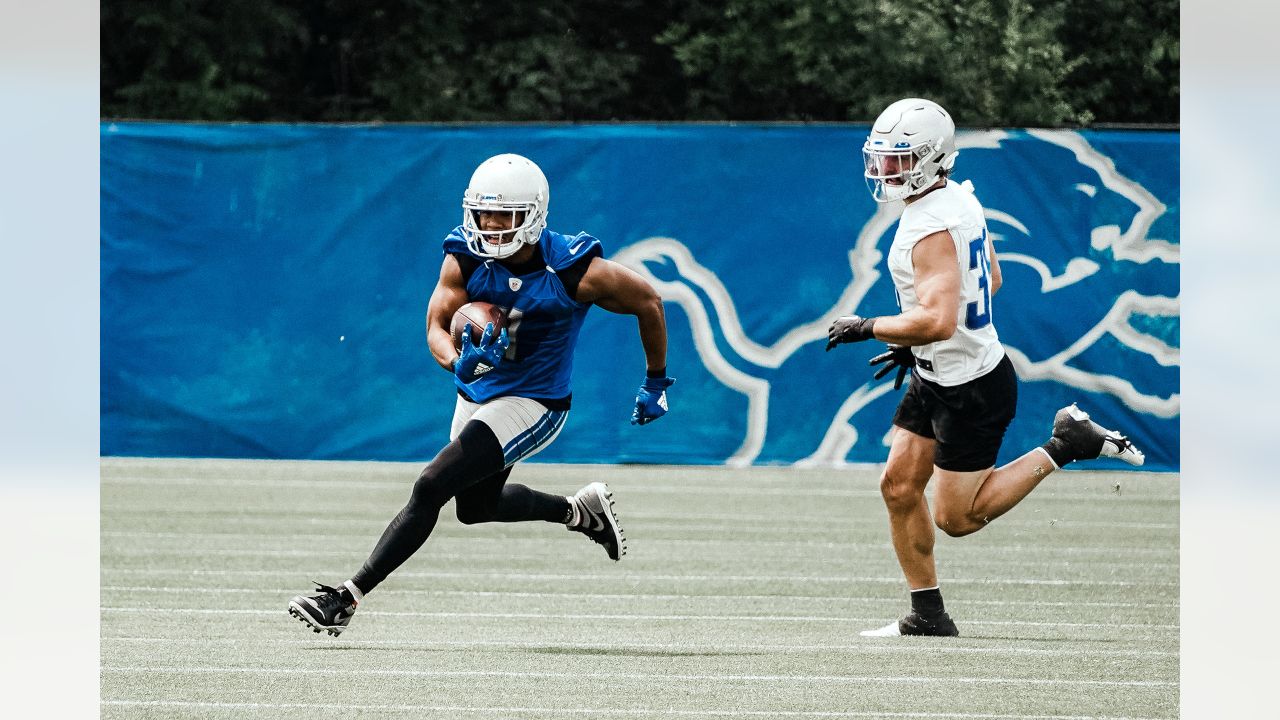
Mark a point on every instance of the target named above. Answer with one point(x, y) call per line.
point(1088, 309)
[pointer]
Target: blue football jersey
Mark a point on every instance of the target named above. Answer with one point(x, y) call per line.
point(543, 323)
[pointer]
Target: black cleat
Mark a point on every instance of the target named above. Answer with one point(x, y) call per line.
point(1087, 440)
point(597, 521)
point(915, 624)
point(330, 611)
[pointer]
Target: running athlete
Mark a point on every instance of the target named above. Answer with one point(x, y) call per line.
point(513, 386)
point(963, 390)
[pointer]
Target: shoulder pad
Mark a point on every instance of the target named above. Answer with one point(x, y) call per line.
point(561, 251)
point(454, 244)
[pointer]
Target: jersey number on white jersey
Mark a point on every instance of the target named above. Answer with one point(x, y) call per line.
point(979, 261)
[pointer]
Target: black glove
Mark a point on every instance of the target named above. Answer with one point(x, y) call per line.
point(849, 329)
point(897, 357)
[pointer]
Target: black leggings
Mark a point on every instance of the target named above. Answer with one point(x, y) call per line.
point(471, 469)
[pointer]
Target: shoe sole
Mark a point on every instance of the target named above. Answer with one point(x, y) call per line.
point(605, 495)
point(890, 630)
point(297, 611)
point(1114, 445)
point(894, 630)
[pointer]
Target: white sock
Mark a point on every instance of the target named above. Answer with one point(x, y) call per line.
point(355, 591)
point(1051, 462)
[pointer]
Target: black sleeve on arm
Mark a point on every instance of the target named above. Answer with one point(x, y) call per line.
point(572, 275)
point(468, 265)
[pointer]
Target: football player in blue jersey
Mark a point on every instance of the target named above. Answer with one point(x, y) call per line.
point(513, 385)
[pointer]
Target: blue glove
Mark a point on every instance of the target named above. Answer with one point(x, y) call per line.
point(651, 400)
point(476, 360)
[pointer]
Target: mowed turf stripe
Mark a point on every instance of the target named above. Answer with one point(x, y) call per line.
point(739, 489)
point(634, 617)
point(943, 647)
point(482, 539)
point(737, 484)
point(724, 677)
point(629, 596)
point(213, 470)
point(958, 561)
point(346, 469)
point(638, 577)
point(371, 520)
point(560, 710)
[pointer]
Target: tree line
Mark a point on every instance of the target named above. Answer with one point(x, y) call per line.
point(1042, 63)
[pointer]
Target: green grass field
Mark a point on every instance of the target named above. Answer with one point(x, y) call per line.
point(741, 596)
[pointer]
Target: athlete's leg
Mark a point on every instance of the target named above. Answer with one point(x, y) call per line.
point(906, 474)
point(902, 484)
point(969, 492)
point(474, 454)
point(964, 502)
point(488, 438)
point(523, 427)
point(495, 500)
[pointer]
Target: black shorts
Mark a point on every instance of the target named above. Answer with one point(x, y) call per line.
point(967, 420)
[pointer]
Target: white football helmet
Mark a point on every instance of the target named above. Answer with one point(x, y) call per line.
point(911, 142)
point(505, 183)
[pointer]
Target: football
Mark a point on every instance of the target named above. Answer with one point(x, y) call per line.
point(478, 314)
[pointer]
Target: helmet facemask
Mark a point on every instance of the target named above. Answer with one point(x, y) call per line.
point(500, 243)
point(898, 173)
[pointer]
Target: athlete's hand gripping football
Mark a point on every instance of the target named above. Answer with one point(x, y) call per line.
point(476, 360)
point(897, 356)
point(651, 400)
point(849, 329)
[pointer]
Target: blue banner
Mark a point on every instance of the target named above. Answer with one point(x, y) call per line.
point(264, 286)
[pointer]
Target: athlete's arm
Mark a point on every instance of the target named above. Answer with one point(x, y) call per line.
point(994, 279)
point(449, 295)
point(619, 289)
point(937, 285)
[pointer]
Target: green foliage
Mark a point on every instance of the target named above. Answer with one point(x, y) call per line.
point(991, 62)
point(988, 61)
point(189, 59)
point(1127, 69)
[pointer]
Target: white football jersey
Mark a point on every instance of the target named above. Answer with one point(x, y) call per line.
point(974, 349)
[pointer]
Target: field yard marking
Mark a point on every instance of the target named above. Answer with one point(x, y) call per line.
point(379, 515)
point(629, 596)
point(714, 517)
point(480, 539)
point(189, 550)
point(866, 647)
point(623, 575)
point(561, 710)
point(852, 679)
point(738, 487)
point(647, 618)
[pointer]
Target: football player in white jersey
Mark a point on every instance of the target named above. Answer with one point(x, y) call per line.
point(963, 390)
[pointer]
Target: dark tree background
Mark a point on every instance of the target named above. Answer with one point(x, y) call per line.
point(990, 62)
